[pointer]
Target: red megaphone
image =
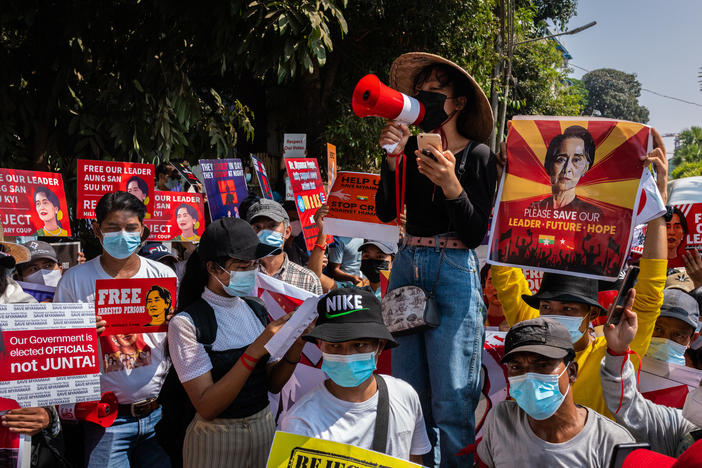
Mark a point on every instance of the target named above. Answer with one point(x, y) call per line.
point(372, 98)
point(103, 412)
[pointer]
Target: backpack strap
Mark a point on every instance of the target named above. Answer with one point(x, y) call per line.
point(380, 435)
point(205, 322)
point(259, 308)
point(464, 158)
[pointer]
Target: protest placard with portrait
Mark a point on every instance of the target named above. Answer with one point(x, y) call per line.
point(96, 178)
point(225, 184)
point(177, 217)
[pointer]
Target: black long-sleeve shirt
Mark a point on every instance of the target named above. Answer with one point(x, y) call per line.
point(466, 215)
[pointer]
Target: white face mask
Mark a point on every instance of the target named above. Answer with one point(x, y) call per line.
point(45, 277)
point(692, 411)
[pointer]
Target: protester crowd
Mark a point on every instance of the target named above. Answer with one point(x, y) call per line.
point(200, 396)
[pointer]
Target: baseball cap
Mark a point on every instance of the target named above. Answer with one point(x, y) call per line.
point(565, 288)
point(347, 314)
point(232, 237)
point(12, 254)
point(156, 251)
point(268, 208)
point(678, 278)
point(40, 249)
point(643, 458)
point(680, 305)
point(386, 247)
point(543, 336)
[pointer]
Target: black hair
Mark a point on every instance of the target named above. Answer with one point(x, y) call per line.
point(164, 293)
point(695, 356)
point(574, 131)
point(118, 201)
point(161, 169)
point(141, 183)
point(4, 279)
point(462, 87)
point(246, 204)
point(51, 196)
point(190, 209)
point(681, 216)
point(484, 274)
point(195, 278)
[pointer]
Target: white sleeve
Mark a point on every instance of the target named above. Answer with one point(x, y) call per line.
point(296, 425)
point(189, 357)
point(420, 440)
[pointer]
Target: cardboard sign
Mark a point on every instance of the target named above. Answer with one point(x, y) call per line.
point(225, 185)
point(308, 193)
point(135, 305)
point(177, 217)
point(262, 177)
point(568, 196)
point(296, 451)
point(96, 178)
point(352, 209)
point(294, 145)
point(50, 354)
point(331, 164)
point(684, 232)
point(33, 203)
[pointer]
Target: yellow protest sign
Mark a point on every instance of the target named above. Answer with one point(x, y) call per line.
point(296, 451)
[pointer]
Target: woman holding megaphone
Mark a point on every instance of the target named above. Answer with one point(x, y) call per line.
point(448, 193)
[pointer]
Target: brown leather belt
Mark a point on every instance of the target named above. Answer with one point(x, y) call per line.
point(448, 242)
point(139, 408)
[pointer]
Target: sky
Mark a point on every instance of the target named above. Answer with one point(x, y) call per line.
point(658, 40)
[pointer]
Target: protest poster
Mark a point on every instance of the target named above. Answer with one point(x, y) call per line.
point(665, 383)
point(294, 145)
point(297, 451)
point(96, 178)
point(684, 232)
point(40, 292)
point(50, 354)
point(135, 305)
point(308, 193)
point(67, 253)
point(225, 185)
point(177, 217)
point(352, 209)
point(331, 164)
point(33, 203)
point(262, 177)
point(568, 194)
point(534, 278)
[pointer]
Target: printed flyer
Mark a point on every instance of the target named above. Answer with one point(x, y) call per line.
point(96, 178)
point(177, 217)
point(225, 185)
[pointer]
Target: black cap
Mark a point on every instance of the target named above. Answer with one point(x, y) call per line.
point(232, 237)
point(40, 249)
point(543, 336)
point(347, 314)
point(156, 251)
point(565, 288)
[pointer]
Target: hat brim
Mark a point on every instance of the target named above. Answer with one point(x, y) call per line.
point(533, 300)
point(270, 215)
point(379, 246)
point(20, 253)
point(339, 332)
point(544, 350)
point(479, 124)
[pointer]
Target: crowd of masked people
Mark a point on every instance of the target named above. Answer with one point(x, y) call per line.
point(200, 396)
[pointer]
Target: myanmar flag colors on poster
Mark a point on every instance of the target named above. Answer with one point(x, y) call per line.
point(568, 195)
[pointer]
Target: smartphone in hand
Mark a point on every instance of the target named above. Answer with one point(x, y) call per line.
point(424, 140)
point(617, 309)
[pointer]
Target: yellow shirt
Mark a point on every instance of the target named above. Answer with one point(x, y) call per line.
point(587, 389)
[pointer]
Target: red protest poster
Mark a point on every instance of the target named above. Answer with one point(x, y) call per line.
point(33, 203)
point(308, 193)
point(135, 305)
point(96, 178)
point(177, 216)
point(568, 195)
point(684, 232)
point(331, 164)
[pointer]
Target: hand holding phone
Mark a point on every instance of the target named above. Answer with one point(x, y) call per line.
point(617, 309)
point(425, 140)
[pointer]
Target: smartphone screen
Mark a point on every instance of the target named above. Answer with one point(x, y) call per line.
point(615, 313)
point(621, 451)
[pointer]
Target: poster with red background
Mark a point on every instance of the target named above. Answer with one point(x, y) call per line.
point(684, 232)
point(177, 217)
point(588, 235)
point(308, 194)
point(135, 305)
point(96, 178)
point(33, 203)
point(262, 176)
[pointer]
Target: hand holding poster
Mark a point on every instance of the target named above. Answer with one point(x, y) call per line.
point(135, 305)
point(33, 204)
point(96, 178)
point(262, 177)
point(225, 185)
point(568, 195)
point(352, 209)
point(177, 216)
point(308, 193)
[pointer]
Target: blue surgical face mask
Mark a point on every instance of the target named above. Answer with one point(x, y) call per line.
point(348, 370)
point(248, 177)
point(666, 350)
point(538, 394)
point(241, 283)
point(121, 244)
point(571, 323)
point(272, 238)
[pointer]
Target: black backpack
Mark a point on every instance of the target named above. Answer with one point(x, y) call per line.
point(177, 411)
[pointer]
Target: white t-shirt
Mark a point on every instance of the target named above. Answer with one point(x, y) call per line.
point(237, 326)
point(321, 415)
point(134, 377)
point(508, 440)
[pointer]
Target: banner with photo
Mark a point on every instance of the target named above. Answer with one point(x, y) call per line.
point(308, 193)
point(684, 232)
point(225, 184)
point(177, 217)
point(96, 178)
point(33, 203)
point(568, 195)
point(49, 354)
point(262, 177)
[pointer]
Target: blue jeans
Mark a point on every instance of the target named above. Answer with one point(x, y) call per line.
point(129, 442)
point(443, 364)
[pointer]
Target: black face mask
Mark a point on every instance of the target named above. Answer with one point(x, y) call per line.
point(371, 269)
point(434, 113)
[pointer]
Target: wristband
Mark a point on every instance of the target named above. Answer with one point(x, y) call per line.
point(249, 358)
point(625, 353)
point(245, 364)
point(319, 246)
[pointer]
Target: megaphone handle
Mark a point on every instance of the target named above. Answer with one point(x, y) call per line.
point(390, 148)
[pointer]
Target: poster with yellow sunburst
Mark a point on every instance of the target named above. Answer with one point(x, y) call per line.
point(568, 194)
